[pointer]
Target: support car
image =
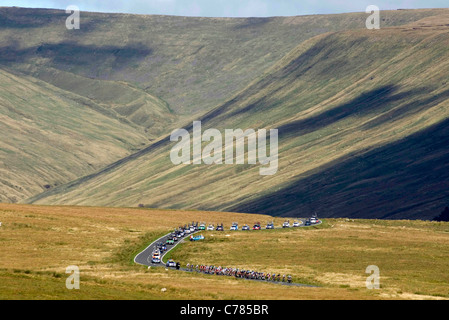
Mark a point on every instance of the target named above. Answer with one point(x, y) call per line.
point(170, 263)
point(270, 225)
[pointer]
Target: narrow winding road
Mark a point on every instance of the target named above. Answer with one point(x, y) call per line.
point(144, 257)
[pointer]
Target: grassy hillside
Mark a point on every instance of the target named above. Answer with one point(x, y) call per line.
point(135, 75)
point(361, 117)
point(191, 63)
point(37, 243)
point(49, 139)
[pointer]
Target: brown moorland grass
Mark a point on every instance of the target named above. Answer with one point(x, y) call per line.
point(37, 243)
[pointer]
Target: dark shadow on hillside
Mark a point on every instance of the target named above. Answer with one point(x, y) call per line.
point(405, 179)
point(24, 18)
point(371, 102)
point(417, 105)
point(252, 23)
point(66, 54)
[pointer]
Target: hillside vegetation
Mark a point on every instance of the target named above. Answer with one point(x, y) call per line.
point(49, 138)
point(191, 63)
point(94, 95)
point(362, 118)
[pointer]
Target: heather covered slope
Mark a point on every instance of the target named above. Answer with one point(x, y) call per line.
point(48, 139)
point(191, 63)
point(376, 101)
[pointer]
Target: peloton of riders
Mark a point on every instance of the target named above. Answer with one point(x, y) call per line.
point(237, 273)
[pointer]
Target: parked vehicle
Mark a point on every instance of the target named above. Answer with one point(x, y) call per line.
point(210, 227)
point(202, 226)
point(235, 226)
point(245, 227)
point(286, 224)
point(257, 226)
point(270, 225)
point(296, 224)
point(220, 227)
point(170, 241)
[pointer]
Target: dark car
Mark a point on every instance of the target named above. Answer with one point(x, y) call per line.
point(257, 226)
point(219, 228)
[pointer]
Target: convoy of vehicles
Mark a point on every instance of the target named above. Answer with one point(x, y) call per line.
point(181, 232)
point(193, 227)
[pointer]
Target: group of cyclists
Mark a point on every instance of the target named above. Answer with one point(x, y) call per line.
point(231, 272)
point(237, 273)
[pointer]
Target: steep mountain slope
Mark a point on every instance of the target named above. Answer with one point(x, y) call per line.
point(123, 78)
point(49, 139)
point(191, 63)
point(363, 99)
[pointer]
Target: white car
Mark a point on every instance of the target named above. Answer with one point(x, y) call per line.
point(210, 227)
point(187, 231)
point(245, 227)
point(286, 224)
point(156, 258)
point(170, 263)
point(192, 229)
point(270, 226)
point(296, 224)
point(313, 220)
point(234, 227)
